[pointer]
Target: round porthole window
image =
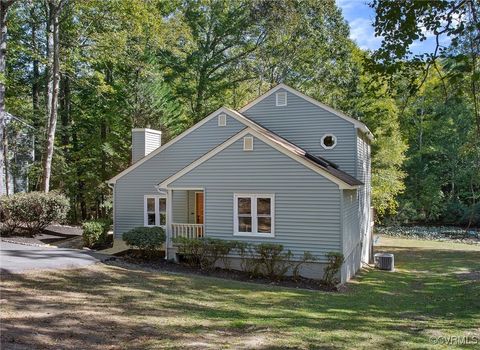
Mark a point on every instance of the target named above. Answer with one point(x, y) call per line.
point(329, 141)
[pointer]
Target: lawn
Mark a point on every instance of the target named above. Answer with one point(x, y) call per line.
point(432, 294)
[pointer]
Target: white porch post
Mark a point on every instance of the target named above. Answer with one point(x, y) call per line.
point(168, 243)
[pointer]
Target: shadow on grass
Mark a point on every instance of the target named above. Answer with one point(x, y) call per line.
point(121, 305)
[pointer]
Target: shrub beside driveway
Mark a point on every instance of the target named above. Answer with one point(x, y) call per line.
point(122, 306)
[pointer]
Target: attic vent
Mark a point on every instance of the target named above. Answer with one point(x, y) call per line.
point(248, 143)
point(281, 99)
point(222, 119)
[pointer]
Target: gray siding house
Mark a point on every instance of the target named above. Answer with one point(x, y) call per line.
point(284, 169)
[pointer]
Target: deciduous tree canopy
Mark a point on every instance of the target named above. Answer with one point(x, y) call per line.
point(167, 64)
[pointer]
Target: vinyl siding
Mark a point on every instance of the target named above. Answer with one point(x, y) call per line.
point(130, 188)
point(138, 145)
point(351, 232)
point(180, 207)
point(304, 124)
point(364, 194)
point(307, 205)
point(152, 142)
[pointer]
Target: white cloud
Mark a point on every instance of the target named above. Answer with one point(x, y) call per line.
point(345, 5)
point(362, 32)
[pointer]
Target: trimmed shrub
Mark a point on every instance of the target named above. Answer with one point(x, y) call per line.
point(205, 252)
point(248, 259)
point(335, 262)
point(95, 233)
point(147, 239)
point(266, 259)
point(273, 259)
point(32, 211)
point(296, 265)
point(191, 250)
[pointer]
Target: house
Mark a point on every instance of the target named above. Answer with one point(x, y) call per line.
point(283, 169)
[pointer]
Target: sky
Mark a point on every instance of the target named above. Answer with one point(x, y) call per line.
point(360, 18)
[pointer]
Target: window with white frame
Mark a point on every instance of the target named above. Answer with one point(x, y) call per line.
point(254, 214)
point(329, 141)
point(155, 211)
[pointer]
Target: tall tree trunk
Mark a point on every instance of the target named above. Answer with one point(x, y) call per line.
point(35, 81)
point(65, 113)
point(4, 5)
point(54, 9)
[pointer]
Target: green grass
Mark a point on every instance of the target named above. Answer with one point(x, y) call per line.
point(125, 307)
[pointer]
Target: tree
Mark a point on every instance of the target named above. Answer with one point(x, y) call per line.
point(307, 46)
point(4, 6)
point(214, 40)
point(54, 10)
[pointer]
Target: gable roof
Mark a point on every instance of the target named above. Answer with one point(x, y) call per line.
point(358, 124)
point(250, 123)
point(317, 164)
point(171, 142)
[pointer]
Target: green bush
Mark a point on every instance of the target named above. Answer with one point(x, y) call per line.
point(266, 259)
point(95, 233)
point(147, 239)
point(274, 261)
point(32, 211)
point(335, 262)
point(296, 265)
point(191, 249)
point(205, 252)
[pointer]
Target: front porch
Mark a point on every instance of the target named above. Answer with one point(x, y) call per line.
point(185, 214)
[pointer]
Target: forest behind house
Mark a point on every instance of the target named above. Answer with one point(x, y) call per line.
point(82, 74)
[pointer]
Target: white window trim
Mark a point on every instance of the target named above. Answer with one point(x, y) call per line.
point(157, 210)
point(222, 119)
point(253, 197)
point(277, 100)
point(334, 141)
point(247, 139)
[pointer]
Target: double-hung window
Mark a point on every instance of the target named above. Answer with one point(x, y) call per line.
point(155, 211)
point(254, 215)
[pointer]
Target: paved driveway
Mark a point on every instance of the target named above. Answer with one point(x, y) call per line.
point(17, 258)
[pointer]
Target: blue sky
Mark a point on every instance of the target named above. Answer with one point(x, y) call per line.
point(360, 17)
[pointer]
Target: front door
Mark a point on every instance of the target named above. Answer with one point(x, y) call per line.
point(199, 208)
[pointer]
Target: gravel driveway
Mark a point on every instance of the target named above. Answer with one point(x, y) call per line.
point(17, 258)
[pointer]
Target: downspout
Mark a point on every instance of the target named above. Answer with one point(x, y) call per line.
point(169, 218)
point(112, 186)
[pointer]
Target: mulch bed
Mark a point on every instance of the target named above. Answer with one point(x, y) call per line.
point(159, 263)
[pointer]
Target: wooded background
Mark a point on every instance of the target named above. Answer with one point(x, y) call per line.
point(103, 67)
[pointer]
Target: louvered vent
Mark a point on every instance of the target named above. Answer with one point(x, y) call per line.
point(222, 119)
point(281, 99)
point(248, 143)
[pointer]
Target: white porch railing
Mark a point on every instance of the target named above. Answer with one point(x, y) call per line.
point(187, 230)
